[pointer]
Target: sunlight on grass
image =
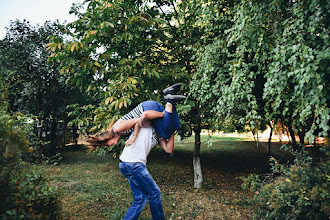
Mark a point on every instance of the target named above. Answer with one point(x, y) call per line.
point(92, 187)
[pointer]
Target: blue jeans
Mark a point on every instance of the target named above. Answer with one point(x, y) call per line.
point(143, 188)
point(164, 126)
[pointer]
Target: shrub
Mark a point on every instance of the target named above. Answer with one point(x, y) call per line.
point(296, 191)
point(24, 192)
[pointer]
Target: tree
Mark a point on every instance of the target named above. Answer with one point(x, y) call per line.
point(112, 54)
point(269, 64)
point(24, 191)
point(186, 34)
point(34, 86)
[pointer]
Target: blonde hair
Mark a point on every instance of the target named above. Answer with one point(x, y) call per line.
point(101, 139)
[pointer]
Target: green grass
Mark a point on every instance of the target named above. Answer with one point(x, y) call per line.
point(92, 187)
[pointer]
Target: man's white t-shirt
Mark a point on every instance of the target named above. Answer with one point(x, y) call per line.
point(138, 151)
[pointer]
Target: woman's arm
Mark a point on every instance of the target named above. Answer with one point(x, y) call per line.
point(135, 134)
point(168, 145)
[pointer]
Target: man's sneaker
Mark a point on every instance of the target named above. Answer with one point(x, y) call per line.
point(173, 99)
point(172, 89)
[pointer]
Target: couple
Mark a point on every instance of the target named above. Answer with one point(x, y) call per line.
point(148, 124)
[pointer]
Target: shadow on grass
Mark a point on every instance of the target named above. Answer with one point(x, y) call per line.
point(228, 156)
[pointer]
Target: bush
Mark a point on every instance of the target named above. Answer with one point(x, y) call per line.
point(297, 191)
point(24, 192)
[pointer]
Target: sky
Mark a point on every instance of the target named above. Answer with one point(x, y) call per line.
point(35, 11)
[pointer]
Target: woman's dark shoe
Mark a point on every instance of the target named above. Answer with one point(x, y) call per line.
point(172, 89)
point(173, 99)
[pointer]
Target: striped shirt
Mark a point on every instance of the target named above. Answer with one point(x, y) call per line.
point(135, 113)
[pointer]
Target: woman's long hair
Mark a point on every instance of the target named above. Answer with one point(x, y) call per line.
point(101, 139)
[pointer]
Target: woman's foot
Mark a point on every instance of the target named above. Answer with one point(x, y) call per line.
point(173, 99)
point(172, 89)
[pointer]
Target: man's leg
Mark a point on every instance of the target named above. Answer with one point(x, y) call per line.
point(140, 198)
point(141, 178)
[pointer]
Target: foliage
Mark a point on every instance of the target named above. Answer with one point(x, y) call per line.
point(24, 67)
point(33, 86)
point(111, 52)
point(211, 80)
point(300, 190)
point(126, 52)
point(25, 193)
point(269, 62)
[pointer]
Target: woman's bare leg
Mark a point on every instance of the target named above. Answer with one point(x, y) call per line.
point(148, 115)
point(168, 107)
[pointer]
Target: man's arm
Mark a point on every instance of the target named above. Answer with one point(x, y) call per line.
point(168, 145)
point(121, 125)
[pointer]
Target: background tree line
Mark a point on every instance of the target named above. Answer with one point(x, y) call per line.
point(33, 86)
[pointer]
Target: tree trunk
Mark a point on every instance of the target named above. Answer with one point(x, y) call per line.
point(293, 137)
point(256, 138)
point(179, 139)
point(269, 152)
point(39, 128)
point(301, 134)
point(53, 130)
point(288, 134)
point(65, 130)
point(198, 175)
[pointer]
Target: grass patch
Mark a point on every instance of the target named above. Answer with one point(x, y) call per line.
point(92, 187)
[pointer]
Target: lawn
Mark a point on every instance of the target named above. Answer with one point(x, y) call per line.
point(92, 187)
